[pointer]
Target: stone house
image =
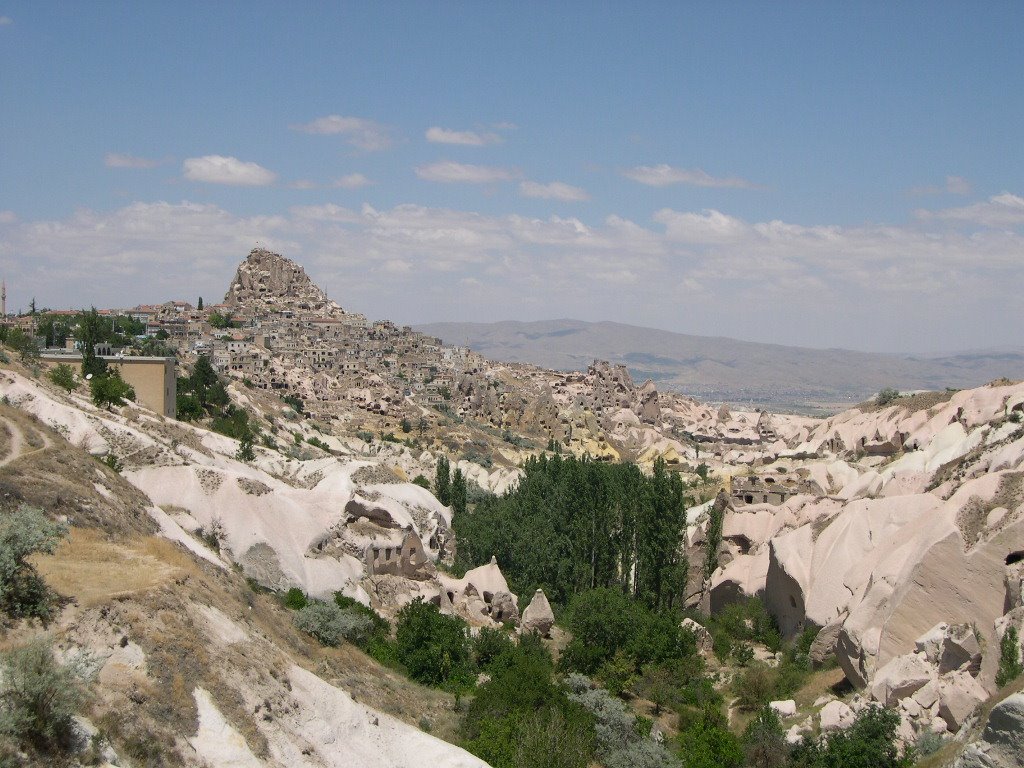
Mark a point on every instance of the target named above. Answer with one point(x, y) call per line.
point(406, 558)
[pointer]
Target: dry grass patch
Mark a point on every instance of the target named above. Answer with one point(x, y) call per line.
point(94, 571)
point(821, 683)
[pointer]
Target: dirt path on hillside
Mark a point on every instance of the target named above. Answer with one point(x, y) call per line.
point(18, 442)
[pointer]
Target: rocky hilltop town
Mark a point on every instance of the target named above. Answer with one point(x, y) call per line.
point(887, 539)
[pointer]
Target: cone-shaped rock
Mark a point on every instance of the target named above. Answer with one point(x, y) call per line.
point(538, 616)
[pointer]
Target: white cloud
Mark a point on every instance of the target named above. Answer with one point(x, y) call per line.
point(665, 175)
point(5, 20)
point(218, 169)
point(556, 190)
point(119, 160)
point(437, 135)
point(447, 171)
point(948, 276)
point(954, 185)
point(1004, 210)
point(302, 184)
point(8, 217)
point(352, 181)
point(361, 133)
point(706, 228)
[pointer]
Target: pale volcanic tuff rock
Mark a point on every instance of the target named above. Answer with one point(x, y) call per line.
point(267, 282)
point(1002, 742)
point(882, 561)
point(538, 616)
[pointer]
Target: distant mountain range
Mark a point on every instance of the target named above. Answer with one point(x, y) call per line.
point(722, 369)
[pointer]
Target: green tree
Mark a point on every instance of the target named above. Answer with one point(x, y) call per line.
point(54, 330)
point(703, 472)
point(520, 718)
point(217, 320)
point(458, 492)
point(406, 425)
point(443, 481)
point(764, 741)
point(705, 740)
point(716, 519)
point(602, 621)
point(39, 697)
point(25, 532)
point(432, 646)
point(245, 450)
point(869, 743)
point(23, 343)
point(90, 330)
point(549, 739)
point(110, 390)
point(63, 375)
point(188, 407)
point(1010, 667)
point(199, 306)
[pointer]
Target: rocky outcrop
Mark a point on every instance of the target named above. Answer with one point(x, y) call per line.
point(267, 282)
point(648, 407)
point(1002, 742)
point(835, 716)
point(705, 643)
point(538, 616)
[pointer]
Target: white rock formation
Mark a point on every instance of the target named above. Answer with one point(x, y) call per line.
point(538, 616)
point(835, 716)
point(705, 643)
point(1002, 742)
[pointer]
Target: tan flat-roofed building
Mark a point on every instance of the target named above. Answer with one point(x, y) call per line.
point(153, 378)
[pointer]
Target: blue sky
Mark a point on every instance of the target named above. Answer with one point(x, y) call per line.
point(800, 173)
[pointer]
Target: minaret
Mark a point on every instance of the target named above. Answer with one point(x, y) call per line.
point(3, 299)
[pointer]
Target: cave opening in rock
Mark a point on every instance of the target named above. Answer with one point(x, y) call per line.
point(1015, 557)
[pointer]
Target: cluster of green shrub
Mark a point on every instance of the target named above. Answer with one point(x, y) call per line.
point(38, 695)
point(522, 716)
point(450, 487)
point(107, 388)
point(1010, 663)
point(201, 393)
point(574, 524)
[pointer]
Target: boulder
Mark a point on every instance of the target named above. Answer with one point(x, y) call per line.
point(930, 643)
point(1002, 742)
point(797, 732)
point(705, 643)
point(824, 646)
point(951, 647)
point(928, 694)
point(959, 695)
point(901, 678)
point(785, 708)
point(471, 607)
point(504, 608)
point(538, 616)
point(835, 716)
point(960, 650)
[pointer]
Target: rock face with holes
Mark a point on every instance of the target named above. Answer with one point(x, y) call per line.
point(923, 526)
point(267, 282)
